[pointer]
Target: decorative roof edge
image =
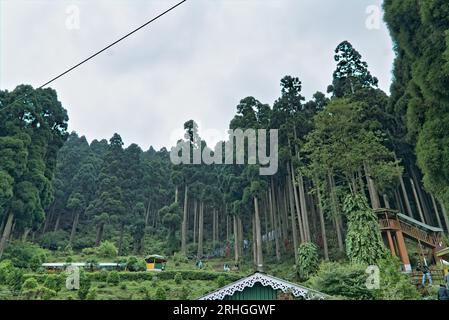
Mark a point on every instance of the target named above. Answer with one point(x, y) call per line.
point(265, 280)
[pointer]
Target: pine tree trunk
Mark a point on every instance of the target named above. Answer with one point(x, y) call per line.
point(240, 234)
point(273, 208)
point(305, 218)
point(298, 208)
point(120, 241)
point(335, 213)
point(292, 215)
point(437, 213)
point(418, 203)
point(374, 196)
point(404, 193)
point(58, 219)
point(6, 233)
point(422, 197)
point(236, 242)
point(446, 218)
point(74, 226)
point(254, 242)
point(184, 223)
point(99, 234)
point(25, 234)
point(48, 218)
point(200, 231)
point(386, 202)
point(176, 194)
point(258, 235)
point(322, 222)
point(195, 220)
point(214, 229)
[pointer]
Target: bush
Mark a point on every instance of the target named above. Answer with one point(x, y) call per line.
point(55, 240)
point(221, 281)
point(54, 282)
point(113, 278)
point(92, 294)
point(394, 285)
point(307, 264)
point(160, 294)
point(29, 284)
point(10, 275)
point(185, 292)
point(134, 264)
point(178, 278)
point(85, 284)
point(342, 280)
point(25, 255)
point(107, 250)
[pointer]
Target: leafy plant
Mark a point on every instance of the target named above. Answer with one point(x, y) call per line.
point(307, 263)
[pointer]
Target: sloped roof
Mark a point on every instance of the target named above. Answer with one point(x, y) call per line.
point(419, 223)
point(265, 280)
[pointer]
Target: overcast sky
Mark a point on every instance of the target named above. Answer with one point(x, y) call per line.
point(196, 62)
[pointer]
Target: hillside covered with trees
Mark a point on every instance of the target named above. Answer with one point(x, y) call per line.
point(342, 155)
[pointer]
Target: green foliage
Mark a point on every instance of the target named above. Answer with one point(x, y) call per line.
point(394, 285)
point(160, 294)
point(178, 278)
point(32, 290)
point(342, 280)
point(113, 278)
point(221, 281)
point(55, 240)
point(85, 284)
point(92, 294)
point(308, 262)
point(363, 241)
point(107, 250)
point(135, 264)
point(25, 255)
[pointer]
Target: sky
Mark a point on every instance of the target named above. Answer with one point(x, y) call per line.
point(197, 62)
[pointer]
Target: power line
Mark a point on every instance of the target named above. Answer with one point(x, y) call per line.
point(100, 51)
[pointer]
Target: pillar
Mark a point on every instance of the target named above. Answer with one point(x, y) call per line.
point(403, 254)
point(390, 243)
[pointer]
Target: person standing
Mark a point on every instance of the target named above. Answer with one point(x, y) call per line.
point(425, 273)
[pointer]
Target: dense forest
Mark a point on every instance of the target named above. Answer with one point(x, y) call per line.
point(341, 154)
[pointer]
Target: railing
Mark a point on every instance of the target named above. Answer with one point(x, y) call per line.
point(437, 276)
point(421, 235)
point(386, 224)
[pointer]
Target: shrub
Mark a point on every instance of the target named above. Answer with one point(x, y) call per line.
point(135, 264)
point(85, 284)
point(342, 280)
point(54, 282)
point(107, 250)
point(92, 294)
point(25, 255)
point(307, 263)
point(113, 278)
point(55, 240)
point(10, 275)
point(185, 292)
point(29, 284)
point(123, 286)
point(221, 281)
point(394, 285)
point(178, 278)
point(160, 294)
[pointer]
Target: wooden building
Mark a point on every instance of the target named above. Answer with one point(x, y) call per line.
point(260, 286)
point(395, 226)
point(155, 262)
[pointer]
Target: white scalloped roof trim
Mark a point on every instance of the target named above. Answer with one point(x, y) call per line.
point(265, 280)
